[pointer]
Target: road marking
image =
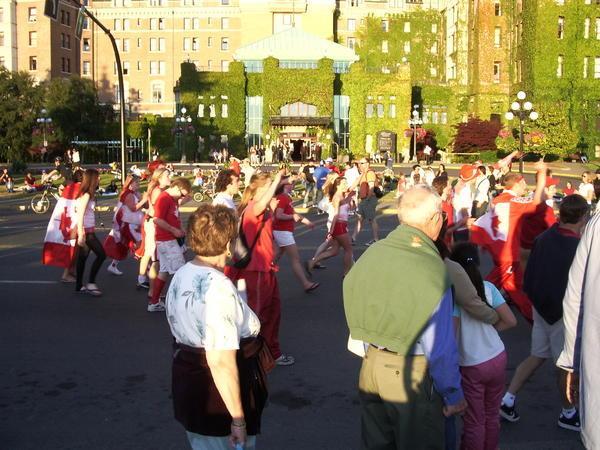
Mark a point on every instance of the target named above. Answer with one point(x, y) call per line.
point(26, 282)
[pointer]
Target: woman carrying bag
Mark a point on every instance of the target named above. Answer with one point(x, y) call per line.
point(219, 383)
point(256, 226)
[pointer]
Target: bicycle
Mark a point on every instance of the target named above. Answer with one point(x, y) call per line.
point(40, 203)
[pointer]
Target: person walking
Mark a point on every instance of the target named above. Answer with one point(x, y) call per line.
point(218, 384)
point(283, 232)
point(310, 185)
point(410, 377)
point(581, 313)
point(367, 208)
point(86, 234)
point(340, 198)
point(482, 357)
point(545, 282)
point(168, 233)
point(255, 212)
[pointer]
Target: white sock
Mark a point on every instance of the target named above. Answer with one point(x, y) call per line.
point(113, 263)
point(569, 412)
point(509, 399)
point(141, 278)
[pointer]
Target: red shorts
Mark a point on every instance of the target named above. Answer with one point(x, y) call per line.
point(339, 228)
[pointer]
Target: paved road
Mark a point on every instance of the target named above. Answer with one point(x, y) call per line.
point(81, 372)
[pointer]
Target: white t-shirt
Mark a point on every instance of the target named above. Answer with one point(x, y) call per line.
point(205, 310)
point(586, 190)
point(482, 187)
point(462, 202)
point(222, 198)
point(479, 342)
point(351, 175)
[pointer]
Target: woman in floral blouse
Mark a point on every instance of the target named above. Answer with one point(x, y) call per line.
point(219, 386)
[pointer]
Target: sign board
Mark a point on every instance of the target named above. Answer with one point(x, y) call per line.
point(51, 9)
point(79, 24)
point(386, 141)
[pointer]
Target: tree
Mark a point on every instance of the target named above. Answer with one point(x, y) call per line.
point(19, 105)
point(476, 135)
point(73, 105)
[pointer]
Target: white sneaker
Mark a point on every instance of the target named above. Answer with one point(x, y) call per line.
point(285, 360)
point(156, 307)
point(114, 270)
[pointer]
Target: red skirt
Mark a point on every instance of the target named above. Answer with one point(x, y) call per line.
point(339, 228)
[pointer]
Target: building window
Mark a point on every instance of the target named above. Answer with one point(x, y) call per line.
point(209, 65)
point(224, 66)
point(139, 65)
point(384, 47)
point(157, 92)
point(32, 16)
point(253, 66)
point(86, 44)
point(434, 48)
point(195, 44)
point(187, 44)
point(497, 70)
point(153, 67)
point(66, 65)
point(126, 24)
point(196, 23)
point(560, 66)
point(86, 23)
point(561, 27)
point(200, 110)
point(392, 111)
point(187, 23)
point(117, 24)
point(497, 37)
point(161, 24)
point(586, 62)
point(351, 24)
point(153, 23)
point(254, 119)
point(225, 2)
point(224, 23)
point(597, 67)
point(224, 111)
point(1, 14)
point(2, 38)
point(370, 110)
point(380, 110)
point(434, 28)
point(385, 25)
point(33, 62)
point(33, 41)
point(126, 67)
point(351, 42)
point(497, 9)
point(407, 47)
point(85, 68)
point(153, 44)
point(433, 71)
point(586, 28)
point(209, 41)
point(298, 109)
point(125, 45)
point(224, 44)
point(407, 27)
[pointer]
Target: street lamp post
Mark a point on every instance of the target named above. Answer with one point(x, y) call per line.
point(182, 121)
point(414, 122)
point(522, 110)
point(44, 121)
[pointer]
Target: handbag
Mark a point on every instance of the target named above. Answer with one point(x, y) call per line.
point(242, 253)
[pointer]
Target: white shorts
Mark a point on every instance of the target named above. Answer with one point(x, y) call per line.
point(546, 340)
point(283, 238)
point(170, 256)
point(150, 239)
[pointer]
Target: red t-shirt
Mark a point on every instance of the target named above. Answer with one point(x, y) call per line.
point(285, 203)
point(568, 191)
point(165, 208)
point(262, 255)
point(509, 212)
point(536, 223)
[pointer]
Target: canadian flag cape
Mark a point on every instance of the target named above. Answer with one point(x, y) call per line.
point(125, 232)
point(61, 234)
point(490, 232)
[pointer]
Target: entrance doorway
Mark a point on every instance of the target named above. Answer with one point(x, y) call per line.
point(298, 149)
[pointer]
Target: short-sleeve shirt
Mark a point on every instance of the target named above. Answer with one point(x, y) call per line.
point(536, 223)
point(165, 208)
point(320, 174)
point(479, 342)
point(285, 203)
point(262, 255)
point(364, 189)
point(205, 310)
point(585, 190)
point(224, 199)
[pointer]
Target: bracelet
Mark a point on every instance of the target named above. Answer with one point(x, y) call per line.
point(238, 425)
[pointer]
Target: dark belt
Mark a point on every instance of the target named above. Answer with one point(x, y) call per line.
point(383, 349)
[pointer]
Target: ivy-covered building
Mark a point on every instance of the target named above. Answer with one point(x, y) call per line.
point(297, 88)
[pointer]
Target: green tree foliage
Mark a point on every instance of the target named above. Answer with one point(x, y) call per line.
point(19, 101)
point(73, 105)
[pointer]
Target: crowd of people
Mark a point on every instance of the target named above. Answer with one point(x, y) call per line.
point(429, 324)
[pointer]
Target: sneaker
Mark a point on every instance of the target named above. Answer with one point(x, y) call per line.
point(114, 270)
point(572, 424)
point(156, 307)
point(285, 360)
point(143, 285)
point(368, 244)
point(509, 413)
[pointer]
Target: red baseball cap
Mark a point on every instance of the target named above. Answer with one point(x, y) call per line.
point(550, 181)
point(468, 172)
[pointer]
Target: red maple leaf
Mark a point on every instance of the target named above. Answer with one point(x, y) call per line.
point(65, 225)
point(495, 224)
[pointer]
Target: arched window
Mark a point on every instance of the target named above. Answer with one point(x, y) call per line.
point(299, 109)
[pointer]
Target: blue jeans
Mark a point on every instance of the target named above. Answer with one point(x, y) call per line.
point(311, 188)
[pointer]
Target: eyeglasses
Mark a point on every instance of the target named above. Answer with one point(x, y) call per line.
point(362, 162)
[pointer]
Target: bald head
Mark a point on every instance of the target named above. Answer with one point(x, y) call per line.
point(421, 208)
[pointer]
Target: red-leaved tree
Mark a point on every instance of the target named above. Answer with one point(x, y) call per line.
point(476, 135)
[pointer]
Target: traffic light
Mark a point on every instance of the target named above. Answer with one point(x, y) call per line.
point(51, 9)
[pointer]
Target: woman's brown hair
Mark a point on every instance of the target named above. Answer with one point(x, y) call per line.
point(257, 181)
point(89, 183)
point(155, 177)
point(333, 187)
point(210, 229)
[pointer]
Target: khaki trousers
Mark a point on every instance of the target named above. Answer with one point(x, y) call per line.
point(399, 408)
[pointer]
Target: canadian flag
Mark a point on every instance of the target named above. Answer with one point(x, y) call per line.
point(61, 234)
point(491, 230)
point(125, 232)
